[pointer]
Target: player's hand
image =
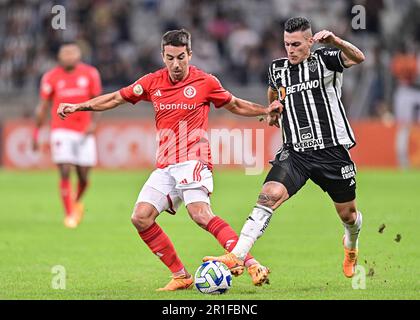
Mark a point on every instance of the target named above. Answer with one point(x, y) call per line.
point(64, 109)
point(275, 107)
point(325, 36)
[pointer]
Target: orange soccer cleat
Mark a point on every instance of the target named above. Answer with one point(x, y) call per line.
point(235, 265)
point(350, 261)
point(178, 283)
point(70, 222)
point(259, 274)
point(78, 211)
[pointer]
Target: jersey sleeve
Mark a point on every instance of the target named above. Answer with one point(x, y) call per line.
point(46, 89)
point(95, 83)
point(332, 58)
point(218, 95)
point(271, 81)
point(138, 90)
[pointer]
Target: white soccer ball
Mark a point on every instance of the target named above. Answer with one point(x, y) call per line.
point(213, 277)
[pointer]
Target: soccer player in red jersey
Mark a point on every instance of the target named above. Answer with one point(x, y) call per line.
point(72, 141)
point(181, 95)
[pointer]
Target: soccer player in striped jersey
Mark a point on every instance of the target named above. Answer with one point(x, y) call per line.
point(316, 136)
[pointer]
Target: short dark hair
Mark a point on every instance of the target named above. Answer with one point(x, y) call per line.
point(297, 24)
point(177, 38)
point(63, 44)
point(68, 43)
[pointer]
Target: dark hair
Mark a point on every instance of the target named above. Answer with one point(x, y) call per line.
point(297, 24)
point(68, 43)
point(177, 38)
point(58, 47)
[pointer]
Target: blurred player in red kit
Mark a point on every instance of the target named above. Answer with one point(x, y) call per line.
point(181, 95)
point(72, 141)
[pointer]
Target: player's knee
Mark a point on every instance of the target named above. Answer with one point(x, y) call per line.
point(65, 174)
point(347, 213)
point(201, 213)
point(142, 217)
point(83, 180)
point(272, 195)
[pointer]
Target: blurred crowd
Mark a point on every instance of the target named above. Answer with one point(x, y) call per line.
point(235, 40)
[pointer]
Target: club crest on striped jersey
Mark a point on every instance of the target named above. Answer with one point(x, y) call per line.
point(190, 92)
point(313, 65)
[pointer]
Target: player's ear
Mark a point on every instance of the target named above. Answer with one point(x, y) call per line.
point(311, 41)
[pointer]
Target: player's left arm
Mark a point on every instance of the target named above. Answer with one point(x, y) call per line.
point(350, 54)
point(250, 109)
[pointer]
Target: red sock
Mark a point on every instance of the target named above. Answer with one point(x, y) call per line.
point(161, 245)
point(65, 191)
point(81, 188)
point(224, 233)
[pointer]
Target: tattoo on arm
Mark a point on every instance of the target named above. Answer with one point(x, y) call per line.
point(273, 95)
point(86, 108)
point(350, 53)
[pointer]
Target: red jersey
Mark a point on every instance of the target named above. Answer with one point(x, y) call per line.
point(181, 112)
point(78, 85)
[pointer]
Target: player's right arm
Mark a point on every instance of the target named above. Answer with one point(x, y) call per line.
point(100, 103)
point(133, 93)
point(46, 93)
point(273, 117)
point(41, 114)
point(272, 95)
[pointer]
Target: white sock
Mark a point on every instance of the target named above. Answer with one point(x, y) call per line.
point(253, 228)
point(351, 232)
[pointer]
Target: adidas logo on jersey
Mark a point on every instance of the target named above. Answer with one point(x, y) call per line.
point(352, 182)
point(157, 93)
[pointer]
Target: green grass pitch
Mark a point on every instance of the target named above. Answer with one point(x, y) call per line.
point(105, 258)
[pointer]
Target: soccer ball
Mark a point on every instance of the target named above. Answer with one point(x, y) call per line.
point(213, 277)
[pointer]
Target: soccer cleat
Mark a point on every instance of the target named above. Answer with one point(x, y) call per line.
point(70, 222)
point(235, 265)
point(178, 283)
point(78, 211)
point(259, 274)
point(350, 261)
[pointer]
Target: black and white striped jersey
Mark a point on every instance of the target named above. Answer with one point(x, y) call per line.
point(313, 117)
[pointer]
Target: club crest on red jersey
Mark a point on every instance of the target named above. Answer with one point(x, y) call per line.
point(82, 82)
point(190, 92)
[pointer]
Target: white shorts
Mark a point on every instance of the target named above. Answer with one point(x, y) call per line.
point(189, 181)
point(68, 146)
